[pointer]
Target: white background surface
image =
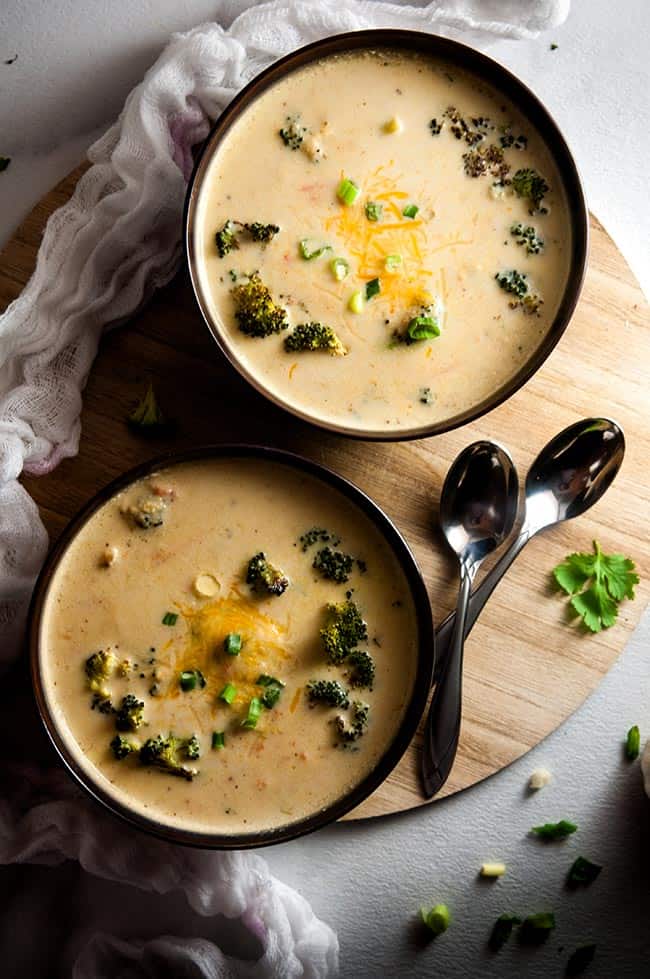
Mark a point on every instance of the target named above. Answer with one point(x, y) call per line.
point(76, 63)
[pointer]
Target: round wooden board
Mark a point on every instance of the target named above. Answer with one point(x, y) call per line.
point(527, 666)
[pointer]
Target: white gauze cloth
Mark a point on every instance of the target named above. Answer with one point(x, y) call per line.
point(102, 255)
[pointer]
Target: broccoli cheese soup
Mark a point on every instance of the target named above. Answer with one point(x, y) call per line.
point(381, 241)
point(228, 646)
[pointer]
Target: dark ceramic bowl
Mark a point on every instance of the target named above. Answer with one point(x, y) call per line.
point(403, 734)
point(496, 76)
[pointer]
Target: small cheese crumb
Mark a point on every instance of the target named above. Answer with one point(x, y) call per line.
point(206, 585)
point(109, 556)
point(539, 778)
point(493, 869)
point(393, 125)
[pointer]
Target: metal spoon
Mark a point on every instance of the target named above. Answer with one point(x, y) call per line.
point(569, 475)
point(478, 507)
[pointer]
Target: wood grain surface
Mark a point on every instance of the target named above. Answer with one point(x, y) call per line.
point(528, 666)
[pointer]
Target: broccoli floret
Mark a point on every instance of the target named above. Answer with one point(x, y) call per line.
point(99, 667)
point(515, 283)
point(165, 753)
point(227, 238)
point(130, 714)
point(360, 715)
point(333, 565)
point(193, 748)
point(530, 184)
point(147, 418)
point(261, 575)
point(343, 631)
point(256, 313)
point(329, 692)
point(148, 512)
point(362, 673)
point(122, 747)
point(316, 534)
point(293, 133)
point(314, 336)
point(527, 236)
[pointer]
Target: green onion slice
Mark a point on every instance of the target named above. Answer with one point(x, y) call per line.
point(218, 739)
point(228, 693)
point(392, 263)
point(373, 288)
point(410, 210)
point(356, 302)
point(308, 250)
point(347, 191)
point(169, 618)
point(254, 712)
point(423, 328)
point(374, 211)
point(633, 743)
point(339, 268)
point(190, 679)
point(272, 690)
point(264, 680)
point(232, 644)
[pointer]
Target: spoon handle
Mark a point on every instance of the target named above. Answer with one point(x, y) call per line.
point(478, 598)
point(442, 729)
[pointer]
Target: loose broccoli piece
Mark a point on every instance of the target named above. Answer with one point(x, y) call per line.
point(314, 336)
point(122, 747)
point(256, 313)
point(527, 236)
point(148, 512)
point(227, 238)
point(165, 753)
point(99, 668)
point(343, 631)
point(515, 283)
point(362, 673)
point(293, 133)
point(272, 690)
point(130, 714)
point(329, 692)
point(333, 565)
point(316, 534)
point(147, 418)
point(193, 748)
point(530, 184)
point(261, 575)
point(359, 722)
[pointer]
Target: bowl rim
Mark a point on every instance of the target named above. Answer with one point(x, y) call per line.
point(488, 70)
point(421, 684)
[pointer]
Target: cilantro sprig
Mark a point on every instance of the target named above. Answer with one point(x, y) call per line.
point(597, 583)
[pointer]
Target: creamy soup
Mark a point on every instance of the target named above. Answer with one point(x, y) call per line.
point(413, 211)
point(162, 598)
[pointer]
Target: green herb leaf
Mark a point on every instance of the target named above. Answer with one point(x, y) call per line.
point(581, 958)
point(228, 693)
point(597, 583)
point(437, 919)
point(374, 211)
point(537, 927)
point(423, 328)
point(583, 871)
point(555, 831)
point(410, 210)
point(254, 713)
point(502, 930)
point(633, 743)
point(191, 679)
point(218, 739)
point(170, 618)
point(373, 288)
point(232, 644)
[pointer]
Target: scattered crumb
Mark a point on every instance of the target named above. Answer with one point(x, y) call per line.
point(206, 585)
point(109, 556)
point(539, 778)
point(554, 47)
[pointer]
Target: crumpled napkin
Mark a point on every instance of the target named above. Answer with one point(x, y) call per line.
point(103, 254)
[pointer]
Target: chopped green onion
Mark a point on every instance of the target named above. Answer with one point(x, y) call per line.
point(437, 919)
point(339, 268)
point(228, 693)
point(373, 288)
point(347, 191)
point(273, 689)
point(583, 871)
point(374, 211)
point(190, 679)
point(537, 927)
point(493, 869)
point(356, 302)
point(254, 712)
point(502, 931)
point(555, 831)
point(169, 618)
point(583, 956)
point(633, 743)
point(423, 328)
point(392, 263)
point(308, 250)
point(410, 210)
point(264, 680)
point(232, 644)
point(218, 739)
